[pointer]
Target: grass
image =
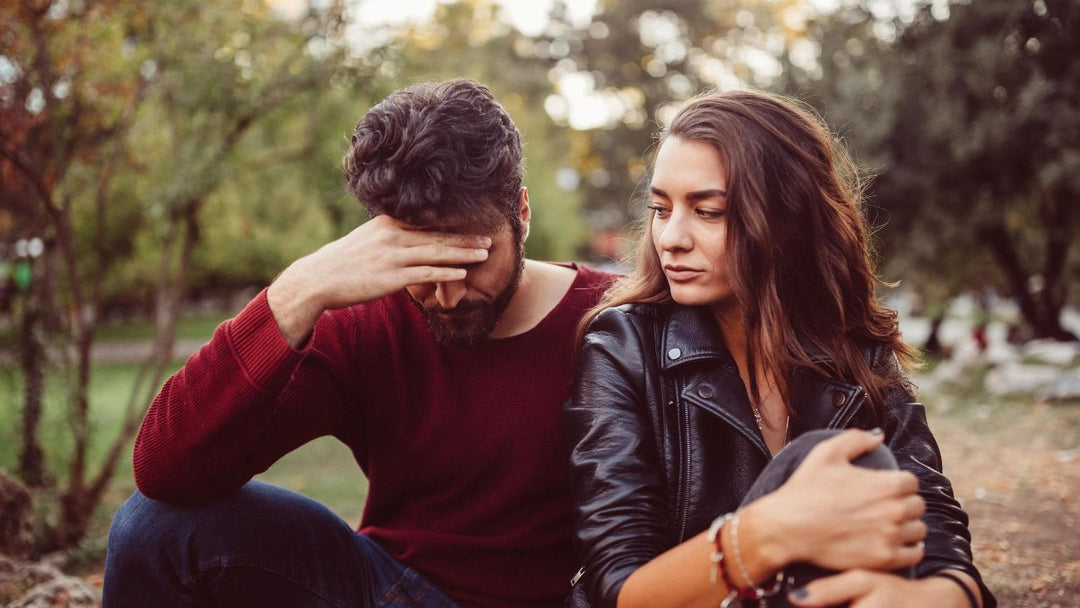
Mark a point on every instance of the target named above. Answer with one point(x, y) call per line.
point(323, 469)
point(197, 327)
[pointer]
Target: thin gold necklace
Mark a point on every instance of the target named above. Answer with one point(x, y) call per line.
point(760, 421)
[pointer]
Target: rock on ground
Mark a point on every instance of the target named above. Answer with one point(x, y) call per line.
point(40, 585)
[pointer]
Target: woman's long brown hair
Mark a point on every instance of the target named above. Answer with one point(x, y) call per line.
point(798, 247)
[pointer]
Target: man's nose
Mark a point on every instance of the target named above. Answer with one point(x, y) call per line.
point(448, 294)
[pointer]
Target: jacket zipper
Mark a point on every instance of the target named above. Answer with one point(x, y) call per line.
point(854, 410)
point(685, 413)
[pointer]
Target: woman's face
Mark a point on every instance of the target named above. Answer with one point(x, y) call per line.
point(689, 202)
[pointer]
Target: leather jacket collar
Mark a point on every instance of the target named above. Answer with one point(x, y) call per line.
point(691, 335)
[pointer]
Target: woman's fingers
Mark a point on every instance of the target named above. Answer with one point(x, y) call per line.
point(913, 505)
point(907, 556)
point(836, 589)
point(912, 532)
point(846, 446)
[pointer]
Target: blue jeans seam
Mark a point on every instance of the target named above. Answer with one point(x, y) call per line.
point(226, 563)
point(411, 585)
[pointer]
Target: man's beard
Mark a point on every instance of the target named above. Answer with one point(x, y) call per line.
point(471, 321)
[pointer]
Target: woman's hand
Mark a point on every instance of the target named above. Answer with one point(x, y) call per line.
point(865, 589)
point(838, 515)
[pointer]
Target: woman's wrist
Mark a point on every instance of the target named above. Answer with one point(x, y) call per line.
point(960, 594)
point(766, 544)
point(759, 552)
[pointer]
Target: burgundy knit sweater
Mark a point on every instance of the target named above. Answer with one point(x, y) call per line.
point(464, 448)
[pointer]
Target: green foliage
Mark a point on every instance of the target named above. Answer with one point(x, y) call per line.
point(971, 123)
point(467, 40)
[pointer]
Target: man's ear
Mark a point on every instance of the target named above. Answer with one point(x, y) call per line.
point(524, 212)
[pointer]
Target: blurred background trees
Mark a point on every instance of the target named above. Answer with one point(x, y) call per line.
point(158, 154)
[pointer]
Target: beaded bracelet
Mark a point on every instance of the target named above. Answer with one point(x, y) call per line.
point(967, 590)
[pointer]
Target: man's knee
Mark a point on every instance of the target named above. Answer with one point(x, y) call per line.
point(136, 521)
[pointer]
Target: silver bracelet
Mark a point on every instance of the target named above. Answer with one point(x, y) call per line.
point(757, 592)
point(717, 555)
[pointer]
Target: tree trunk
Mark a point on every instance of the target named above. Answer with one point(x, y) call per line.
point(1040, 310)
point(32, 361)
point(932, 346)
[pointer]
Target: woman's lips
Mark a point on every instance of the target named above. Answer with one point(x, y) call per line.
point(681, 273)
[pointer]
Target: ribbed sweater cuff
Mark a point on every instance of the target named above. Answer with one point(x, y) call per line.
point(259, 346)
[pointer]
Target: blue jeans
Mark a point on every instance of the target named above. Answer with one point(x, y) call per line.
point(258, 546)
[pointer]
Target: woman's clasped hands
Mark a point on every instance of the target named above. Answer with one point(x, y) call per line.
point(841, 517)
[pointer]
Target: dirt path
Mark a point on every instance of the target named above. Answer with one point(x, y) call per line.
point(1016, 469)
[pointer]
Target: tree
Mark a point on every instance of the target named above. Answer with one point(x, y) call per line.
point(634, 63)
point(469, 39)
point(972, 122)
point(121, 113)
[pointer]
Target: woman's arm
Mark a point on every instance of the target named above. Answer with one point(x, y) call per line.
point(620, 508)
point(908, 435)
point(867, 589)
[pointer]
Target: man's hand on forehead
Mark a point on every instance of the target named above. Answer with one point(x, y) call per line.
point(376, 259)
point(456, 226)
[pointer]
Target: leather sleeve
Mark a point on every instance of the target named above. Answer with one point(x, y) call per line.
point(615, 474)
point(948, 541)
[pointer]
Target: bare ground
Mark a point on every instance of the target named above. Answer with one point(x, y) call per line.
point(1015, 466)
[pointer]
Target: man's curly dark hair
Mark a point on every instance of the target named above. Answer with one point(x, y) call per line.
point(438, 151)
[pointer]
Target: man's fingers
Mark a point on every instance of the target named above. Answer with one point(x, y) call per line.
point(398, 234)
point(836, 589)
point(430, 254)
point(847, 445)
point(415, 275)
point(415, 238)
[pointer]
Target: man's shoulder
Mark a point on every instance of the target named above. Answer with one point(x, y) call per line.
point(589, 284)
point(596, 276)
point(587, 276)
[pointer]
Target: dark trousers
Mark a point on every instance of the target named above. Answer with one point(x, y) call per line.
point(258, 546)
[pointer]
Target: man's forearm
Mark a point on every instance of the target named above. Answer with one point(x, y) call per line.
point(294, 310)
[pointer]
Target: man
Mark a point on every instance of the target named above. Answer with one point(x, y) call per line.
point(423, 340)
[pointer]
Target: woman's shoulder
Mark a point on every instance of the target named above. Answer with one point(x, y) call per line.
point(634, 312)
point(626, 322)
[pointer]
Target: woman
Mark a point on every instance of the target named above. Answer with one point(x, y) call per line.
point(751, 321)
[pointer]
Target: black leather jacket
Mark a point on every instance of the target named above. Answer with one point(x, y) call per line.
point(664, 440)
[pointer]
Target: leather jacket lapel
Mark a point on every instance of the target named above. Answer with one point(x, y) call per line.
point(691, 335)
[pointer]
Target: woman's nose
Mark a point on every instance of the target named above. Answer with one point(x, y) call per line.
point(674, 234)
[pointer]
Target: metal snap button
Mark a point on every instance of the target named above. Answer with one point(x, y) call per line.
point(705, 392)
point(837, 399)
point(674, 353)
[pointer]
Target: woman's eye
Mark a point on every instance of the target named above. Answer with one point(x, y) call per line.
point(659, 211)
point(711, 214)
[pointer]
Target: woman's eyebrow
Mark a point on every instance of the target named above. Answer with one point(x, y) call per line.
point(699, 195)
point(696, 195)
